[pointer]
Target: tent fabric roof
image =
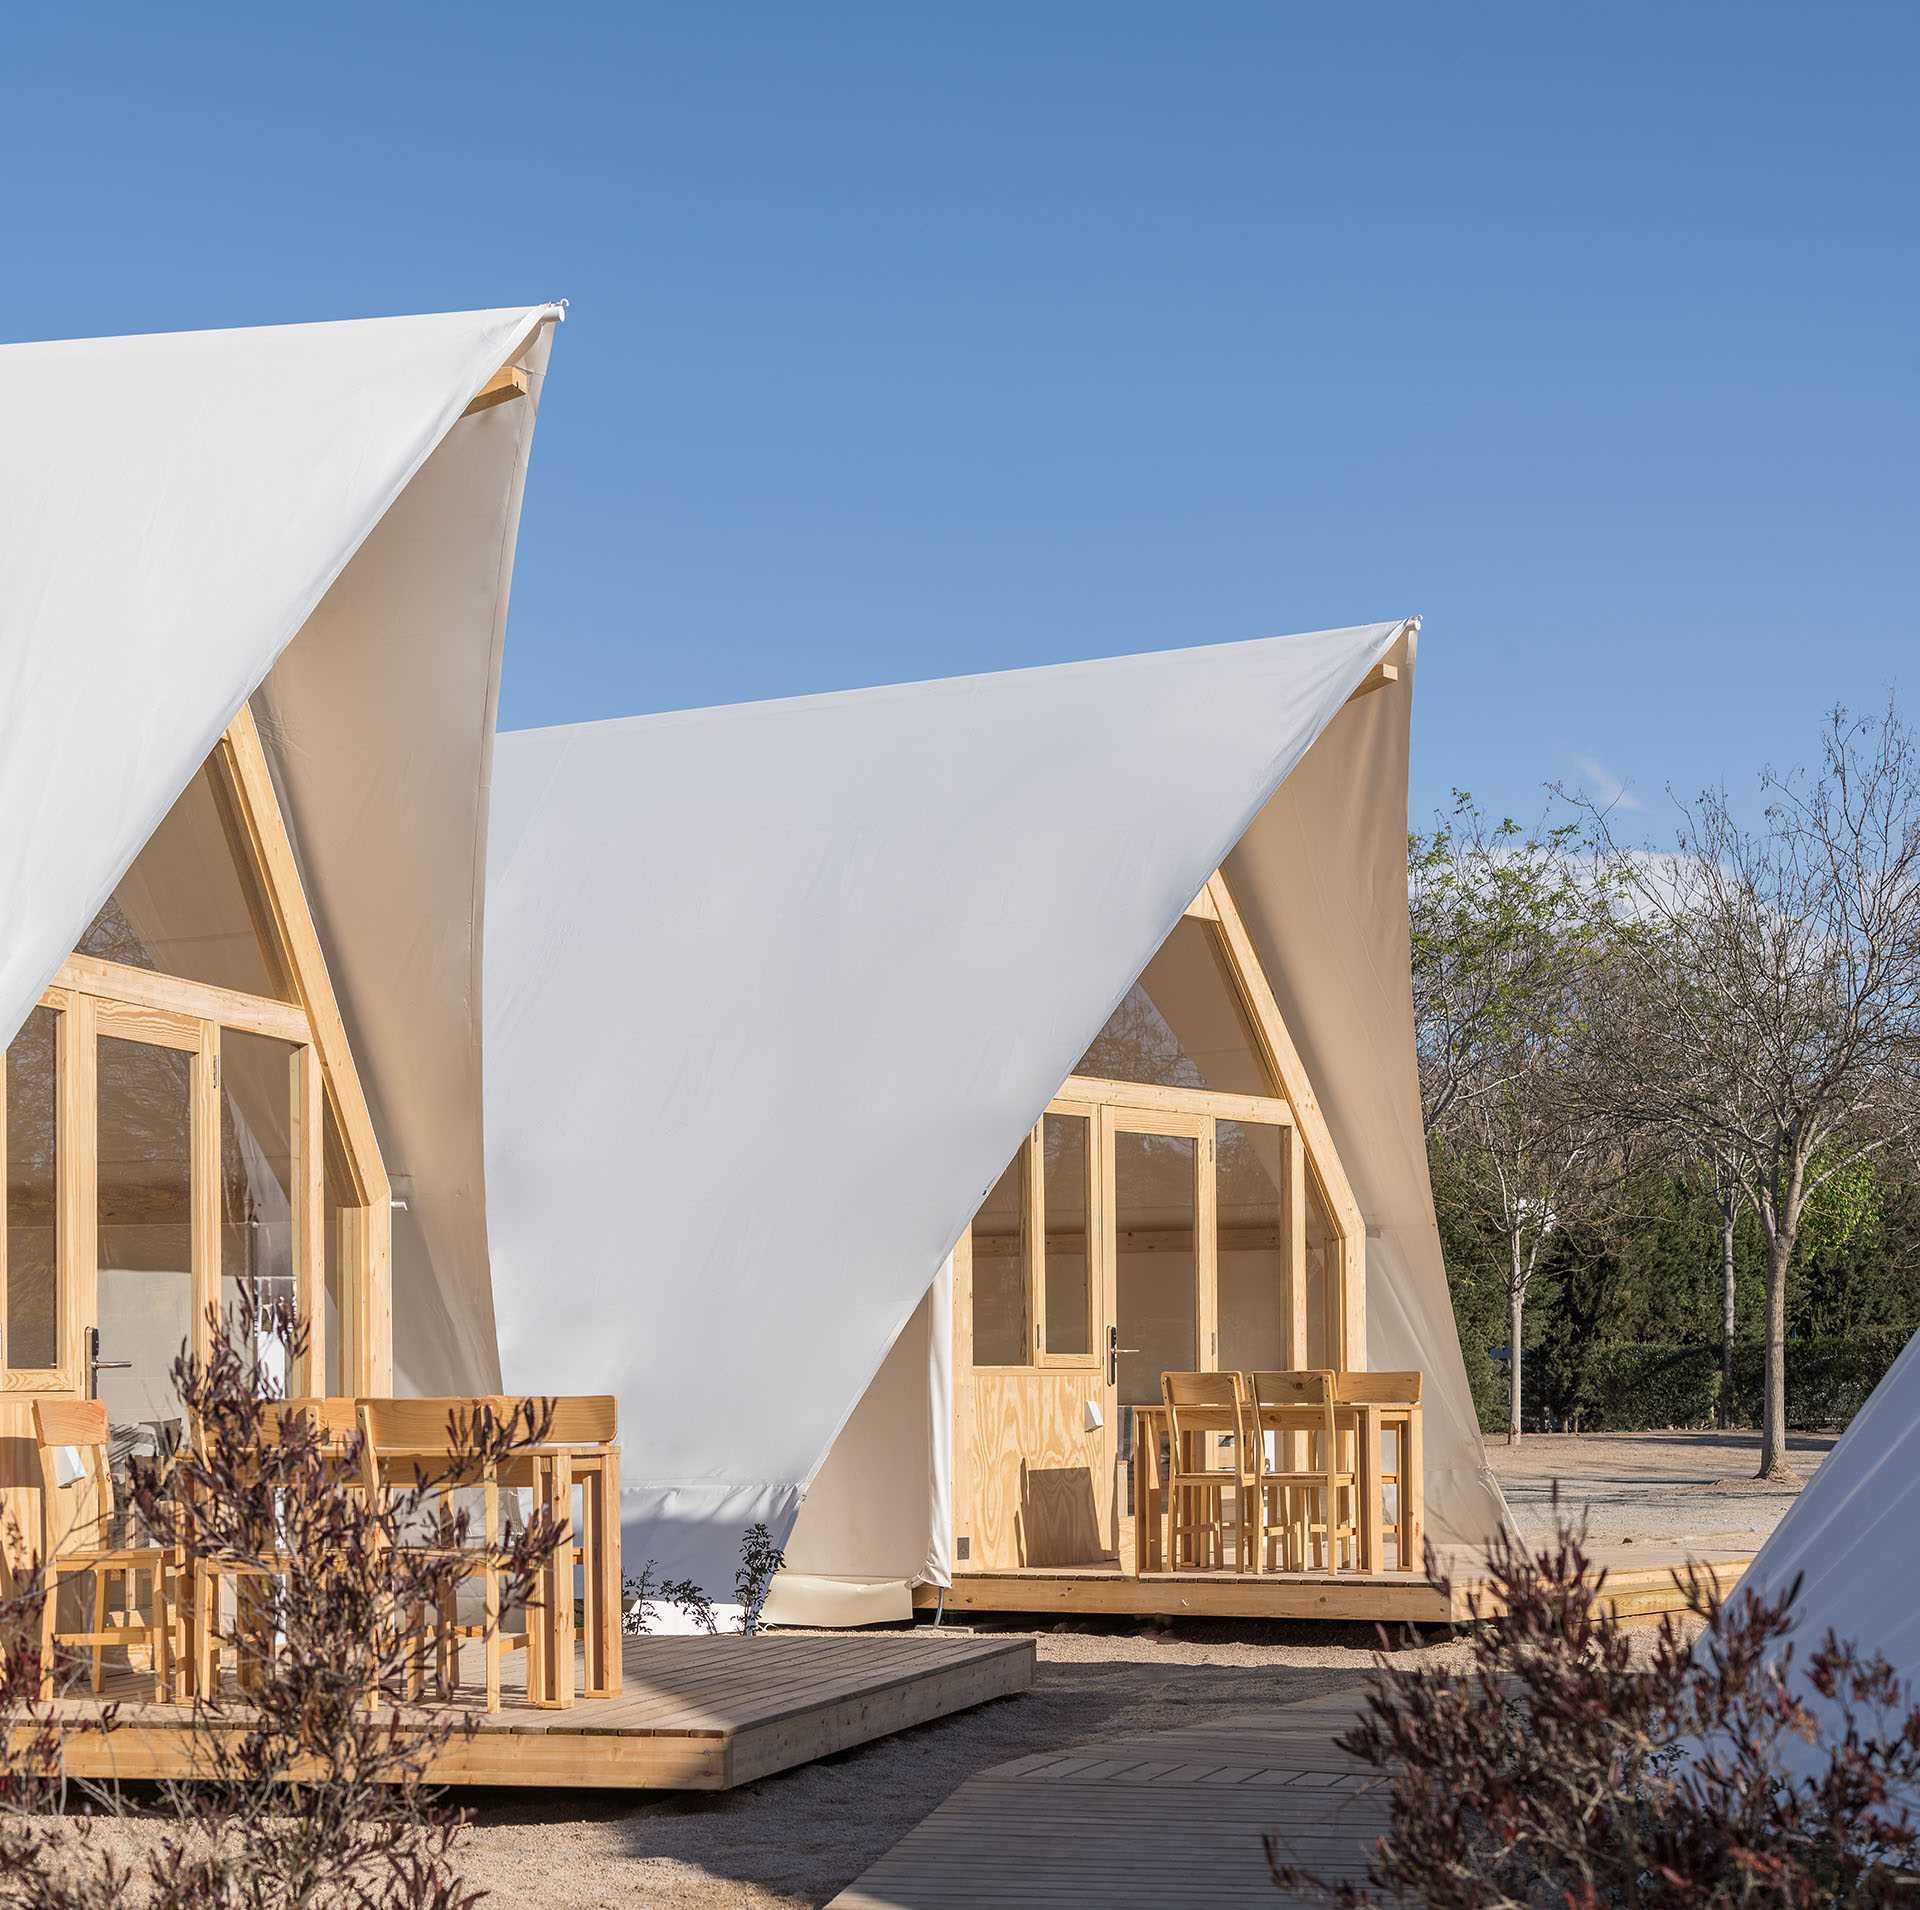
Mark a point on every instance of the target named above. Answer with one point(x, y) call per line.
point(298, 514)
point(772, 990)
point(1854, 1531)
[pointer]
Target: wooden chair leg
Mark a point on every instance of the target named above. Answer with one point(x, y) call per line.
point(162, 1635)
point(493, 1638)
point(49, 1614)
point(100, 1578)
point(207, 1629)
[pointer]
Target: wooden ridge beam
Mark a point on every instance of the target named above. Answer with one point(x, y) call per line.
point(508, 382)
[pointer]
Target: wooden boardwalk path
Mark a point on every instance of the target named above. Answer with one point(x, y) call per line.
point(695, 1714)
point(1162, 1818)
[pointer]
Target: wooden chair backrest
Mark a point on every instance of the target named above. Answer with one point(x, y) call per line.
point(1214, 1391)
point(336, 1420)
point(1377, 1389)
point(578, 1419)
point(1303, 1401)
point(80, 1424)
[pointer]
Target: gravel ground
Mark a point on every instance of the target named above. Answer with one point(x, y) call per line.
point(801, 1837)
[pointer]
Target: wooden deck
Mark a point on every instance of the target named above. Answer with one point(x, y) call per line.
point(1167, 1818)
point(1641, 1588)
point(701, 1714)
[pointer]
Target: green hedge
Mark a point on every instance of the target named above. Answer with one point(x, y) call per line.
point(1634, 1388)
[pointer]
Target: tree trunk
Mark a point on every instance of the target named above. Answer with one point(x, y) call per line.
point(1773, 1416)
point(1516, 1308)
point(1727, 1216)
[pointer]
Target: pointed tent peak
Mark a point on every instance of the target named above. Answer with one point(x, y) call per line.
point(179, 503)
point(1300, 656)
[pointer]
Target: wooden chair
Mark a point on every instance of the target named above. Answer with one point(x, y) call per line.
point(1296, 1407)
point(1197, 1521)
point(1374, 1407)
point(579, 1449)
point(77, 1538)
point(336, 1421)
point(409, 1440)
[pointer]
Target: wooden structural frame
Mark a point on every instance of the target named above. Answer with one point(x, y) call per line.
point(1021, 1428)
point(94, 999)
point(695, 1713)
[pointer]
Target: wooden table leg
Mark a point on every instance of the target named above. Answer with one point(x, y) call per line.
point(550, 1653)
point(1367, 1483)
point(606, 1565)
point(1413, 1488)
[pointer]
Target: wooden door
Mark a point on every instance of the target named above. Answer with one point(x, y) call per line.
point(1034, 1454)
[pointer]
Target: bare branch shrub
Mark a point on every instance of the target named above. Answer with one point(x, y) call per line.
point(1555, 1770)
point(310, 1786)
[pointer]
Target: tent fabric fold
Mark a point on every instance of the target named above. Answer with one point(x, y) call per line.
point(772, 991)
point(303, 516)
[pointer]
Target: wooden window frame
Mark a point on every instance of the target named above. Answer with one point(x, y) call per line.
point(1310, 1160)
point(95, 997)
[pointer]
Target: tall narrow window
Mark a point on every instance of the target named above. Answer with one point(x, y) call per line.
point(1069, 1284)
point(341, 1220)
point(258, 1108)
point(32, 1339)
point(1001, 1335)
point(1250, 1175)
point(145, 1228)
point(1156, 1277)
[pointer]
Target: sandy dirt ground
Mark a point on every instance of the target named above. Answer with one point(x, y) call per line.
point(801, 1837)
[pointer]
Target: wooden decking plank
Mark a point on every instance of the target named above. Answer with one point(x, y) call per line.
point(739, 1710)
point(1112, 1822)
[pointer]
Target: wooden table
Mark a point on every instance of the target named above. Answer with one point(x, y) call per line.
point(1366, 1419)
point(550, 1472)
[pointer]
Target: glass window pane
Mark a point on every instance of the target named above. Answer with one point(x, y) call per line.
point(258, 1085)
point(1181, 1024)
point(190, 906)
point(32, 1194)
point(1323, 1253)
point(1156, 1275)
point(145, 1228)
point(342, 1355)
point(1069, 1311)
point(1000, 1332)
point(1250, 1178)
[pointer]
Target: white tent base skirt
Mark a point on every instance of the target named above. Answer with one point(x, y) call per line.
point(833, 1604)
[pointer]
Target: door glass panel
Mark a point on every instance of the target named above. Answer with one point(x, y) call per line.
point(1249, 1168)
point(341, 1355)
point(1181, 1025)
point(1069, 1312)
point(1322, 1253)
point(258, 1090)
point(32, 1194)
point(191, 905)
point(1155, 1275)
point(146, 1230)
point(1000, 1332)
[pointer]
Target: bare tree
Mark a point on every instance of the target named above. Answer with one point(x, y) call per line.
point(1771, 1007)
point(1497, 919)
point(1526, 1160)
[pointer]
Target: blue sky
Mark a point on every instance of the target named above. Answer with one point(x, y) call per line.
point(906, 342)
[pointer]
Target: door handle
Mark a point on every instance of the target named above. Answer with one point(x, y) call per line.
point(1114, 1350)
point(96, 1365)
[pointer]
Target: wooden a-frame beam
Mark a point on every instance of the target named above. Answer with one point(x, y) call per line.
point(1310, 1125)
point(1376, 679)
point(508, 382)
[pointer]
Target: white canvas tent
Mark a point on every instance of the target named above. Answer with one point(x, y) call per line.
point(773, 990)
point(303, 516)
point(1853, 1534)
